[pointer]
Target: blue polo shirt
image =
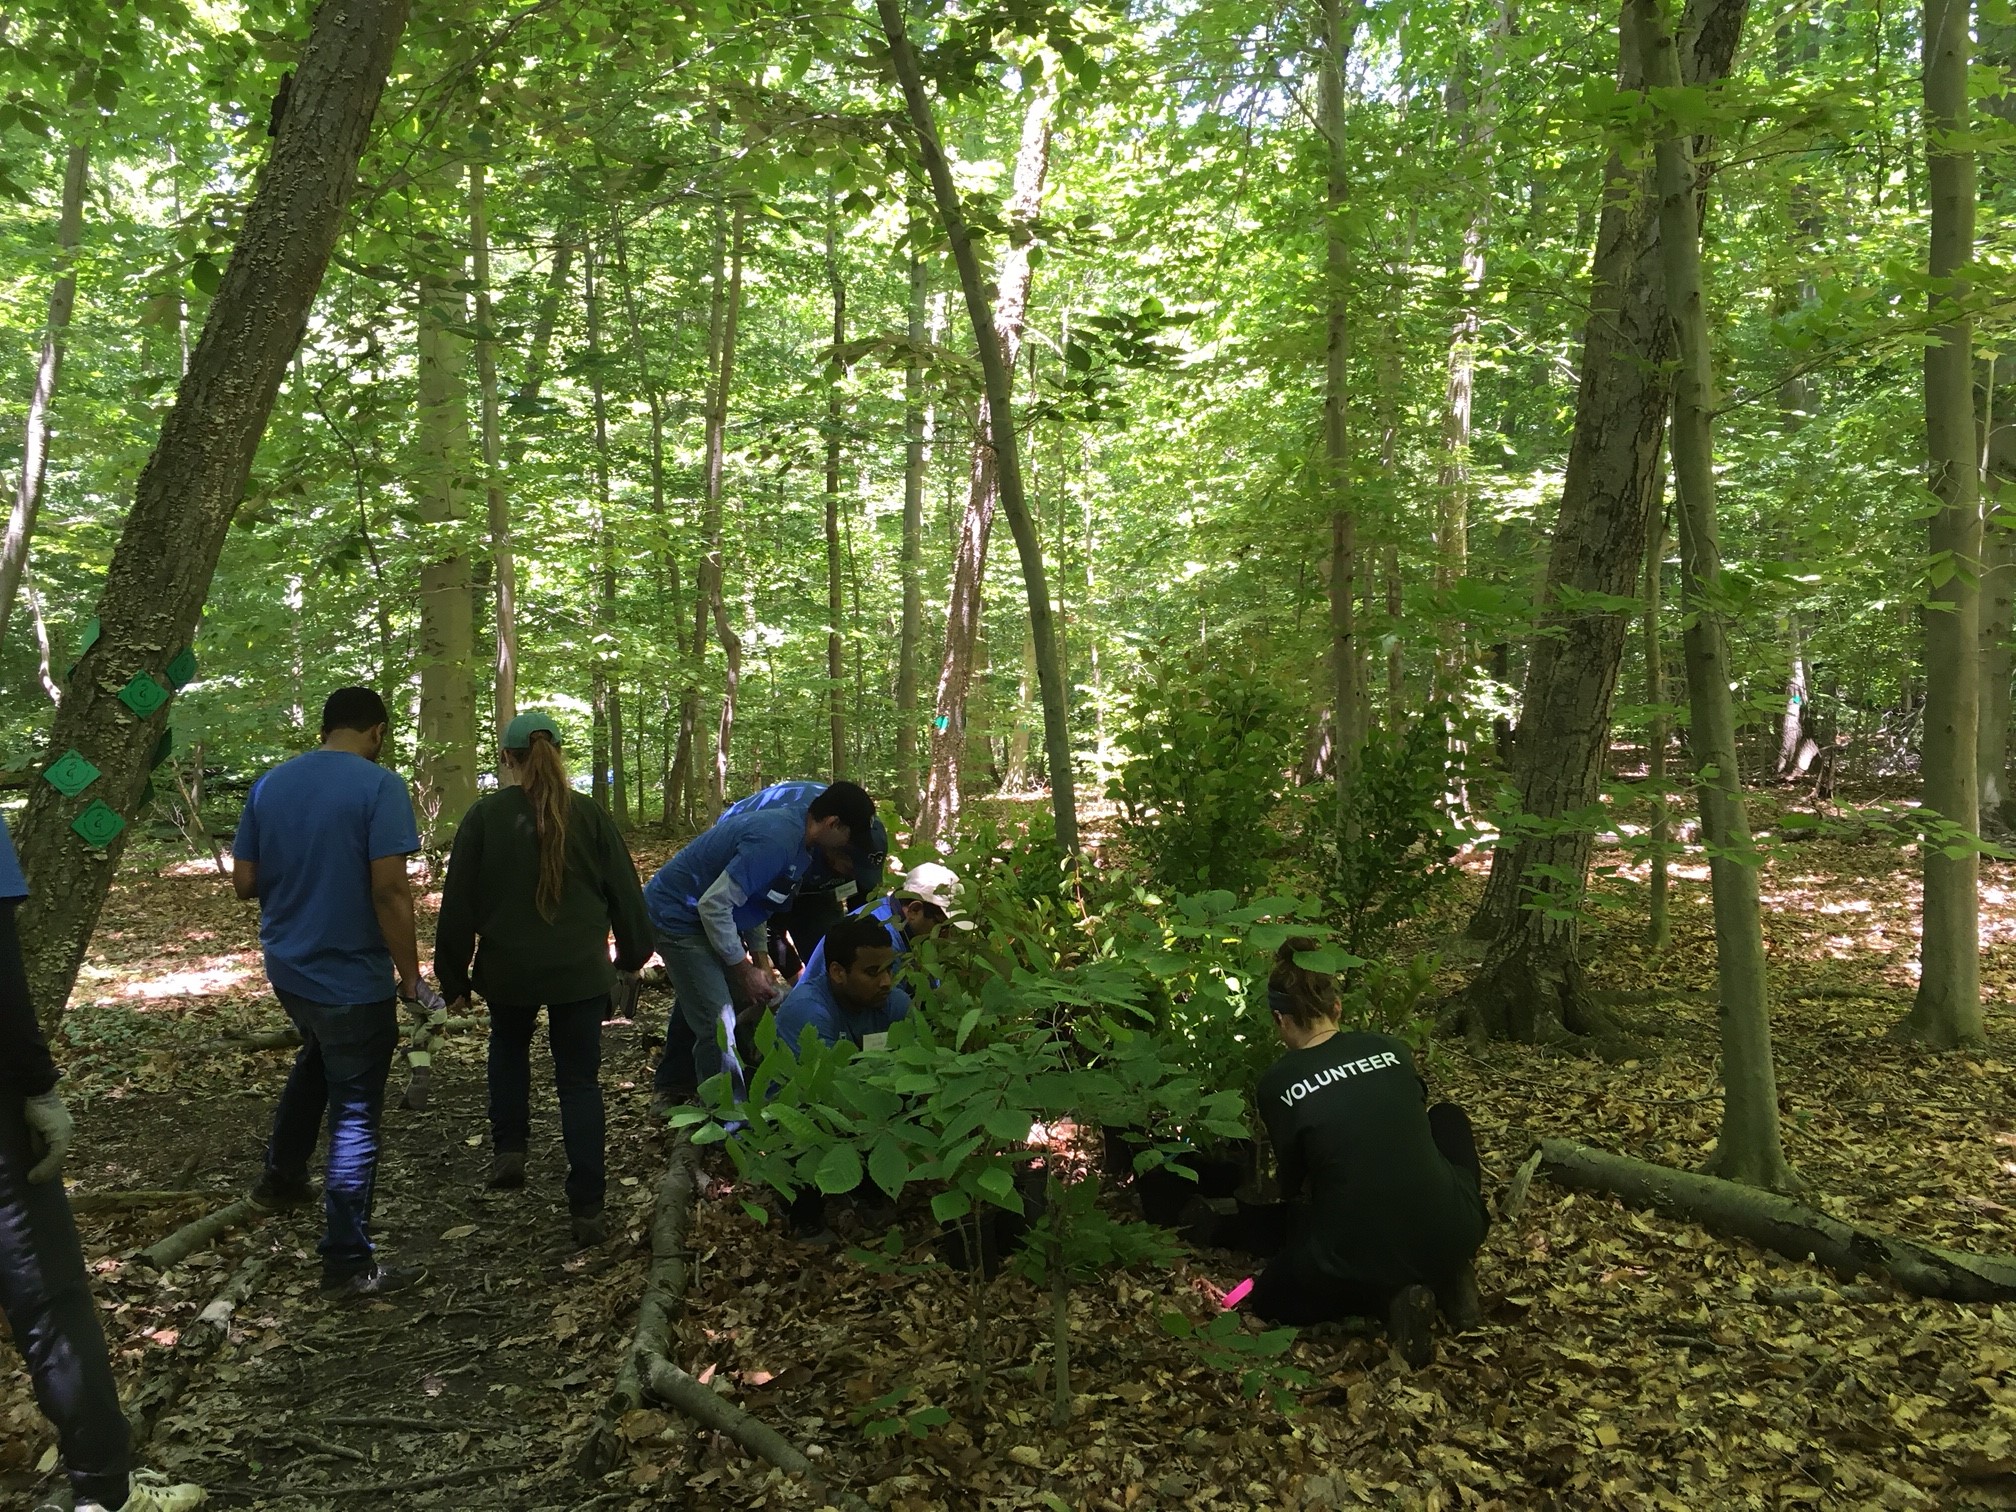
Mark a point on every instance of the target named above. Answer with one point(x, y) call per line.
point(762, 850)
point(891, 921)
point(812, 1002)
point(313, 826)
point(12, 883)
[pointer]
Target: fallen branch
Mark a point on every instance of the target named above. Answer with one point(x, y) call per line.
point(1796, 1296)
point(665, 1282)
point(289, 1037)
point(301, 1438)
point(198, 1233)
point(707, 1407)
point(159, 1388)
point(126, 1202)
point(420, 1482)
point(1783, 1226)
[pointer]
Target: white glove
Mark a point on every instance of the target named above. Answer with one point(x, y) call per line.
point(51, 1130)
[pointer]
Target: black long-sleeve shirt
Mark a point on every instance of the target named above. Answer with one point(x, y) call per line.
point(25, 1064)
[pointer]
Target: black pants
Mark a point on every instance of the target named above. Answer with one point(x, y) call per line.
point(1296, 1288)
point(574, 1032)
point(47, 1301)
point(795, 932)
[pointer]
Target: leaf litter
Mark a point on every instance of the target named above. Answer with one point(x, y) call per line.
point(1627, 1360)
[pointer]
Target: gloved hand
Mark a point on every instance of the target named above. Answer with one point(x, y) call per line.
point(52, 1130)
point(425, 998)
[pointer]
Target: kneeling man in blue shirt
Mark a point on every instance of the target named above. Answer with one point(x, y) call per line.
point(855, 996)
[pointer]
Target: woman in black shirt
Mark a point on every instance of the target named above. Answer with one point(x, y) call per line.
point(1392, 1212)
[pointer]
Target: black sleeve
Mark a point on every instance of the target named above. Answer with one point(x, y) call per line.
point(1283, 1135)
point(627, 914)
point(455, 930)
point(25, 1066)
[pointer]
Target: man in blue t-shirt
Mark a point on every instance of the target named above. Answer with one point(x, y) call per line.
point(832, 885)
point(45, 1295)
point(710, 908)
point(322, 844)
point(855, 997)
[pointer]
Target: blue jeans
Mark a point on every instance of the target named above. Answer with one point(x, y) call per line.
point(699, 988)
point(574, 1031)
point(47, 1303)
point(346, 1054)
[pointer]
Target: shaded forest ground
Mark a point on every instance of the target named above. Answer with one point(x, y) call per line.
point(1626, 1359)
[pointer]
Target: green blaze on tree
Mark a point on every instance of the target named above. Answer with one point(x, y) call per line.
point(190, 488)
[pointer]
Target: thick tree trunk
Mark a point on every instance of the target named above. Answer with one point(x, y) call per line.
point(1782, 1226)
point(910, 640)
point(190, 488)
point(497, 506)
point(1340, 25)
point(1530, 984)
point(446, 761)
point(1750, 1149)
point(836, 588)
point(1003, 338)
point(1947, 1012)
point(48, 369)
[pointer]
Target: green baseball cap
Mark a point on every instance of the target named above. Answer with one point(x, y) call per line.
point(518, 734)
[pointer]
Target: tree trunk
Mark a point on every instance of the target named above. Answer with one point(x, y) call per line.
point(1340, 25)
point(836, 594)
point(715, 587)
point(1749, 1149)
point(48, 369)
point(190, 488)
point(446, 762)
point(1782, 1226)
point(1947, 1012)
point(1792, 721)
point(1001, 341)
point(503, 564)
point(1658, 930)
point(607, 786)
point(1530, 985)
point(1998, 590)
point(910, 640)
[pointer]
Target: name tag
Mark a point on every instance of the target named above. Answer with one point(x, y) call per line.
point(845, 891)
point(780, 899)
point(875, 1041)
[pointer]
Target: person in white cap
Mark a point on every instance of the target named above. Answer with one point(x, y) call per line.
point(924, 904)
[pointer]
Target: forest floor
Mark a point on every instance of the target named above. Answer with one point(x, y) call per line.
point(1626, 1360)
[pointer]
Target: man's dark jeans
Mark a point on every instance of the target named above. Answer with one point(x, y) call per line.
point(574, 1031)
point(48, 1306)
point(346, 1054)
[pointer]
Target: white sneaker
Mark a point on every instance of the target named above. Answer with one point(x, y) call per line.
point(150, 1491)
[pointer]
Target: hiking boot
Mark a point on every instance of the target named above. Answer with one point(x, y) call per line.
point(1462, 1307)
point(590, 1229)
point(150, 1491)
point(507, 1171)
point(363, 1286)
point(1410, 1325)
point(275, 1190)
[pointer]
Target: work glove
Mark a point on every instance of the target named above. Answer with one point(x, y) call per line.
point(425, 999)
point(429, 1035)
point(50, 1131)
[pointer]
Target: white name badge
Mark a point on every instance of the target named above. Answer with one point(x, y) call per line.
point(875, 1041)
point(845, 891)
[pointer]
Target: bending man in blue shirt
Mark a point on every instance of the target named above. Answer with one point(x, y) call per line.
point(832, 886)
point(322, 844)
point(710, 908)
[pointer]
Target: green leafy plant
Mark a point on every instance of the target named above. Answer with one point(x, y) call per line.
point(1392, 851)
point(1225, 1344)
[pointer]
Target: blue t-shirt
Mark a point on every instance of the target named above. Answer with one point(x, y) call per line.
point(12, 883)
point(762, 850)
point(819, 877)
point(815, 966)
point(812, 1002)
point(313, 826)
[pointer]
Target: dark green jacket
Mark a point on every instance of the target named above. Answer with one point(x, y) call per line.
point(490, 908)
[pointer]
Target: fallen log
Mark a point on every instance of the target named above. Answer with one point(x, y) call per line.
point(1781, 1225)
point(198, 1233)
point(126, 1202)
point(160, 1388)
point(707, 1407)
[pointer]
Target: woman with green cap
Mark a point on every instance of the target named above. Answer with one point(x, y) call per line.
point(537, 880)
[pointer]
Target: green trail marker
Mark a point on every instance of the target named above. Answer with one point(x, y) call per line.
point(70, 774)
point(183, 668)
point(162, 749)
point(98, 824)
point(89, 638)
point(143, 695)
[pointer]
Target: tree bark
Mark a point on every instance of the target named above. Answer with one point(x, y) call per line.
point(608, 786)
point(446, 761)
point(1000, 344)
point(190, 488)
point(48, 370)
point(1530, 985)
point(1782, 1226)
point(1750, 1149)
point(1658, 930)
point(1998, 592)
point(1947, 1012)
point(1340, 25)
point(497, 506)
point(910, 640)
point(836, 587)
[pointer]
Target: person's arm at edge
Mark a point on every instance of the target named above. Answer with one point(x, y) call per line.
point(628, 918)
point(392, 902)
point(455, 930)
point(26, 1066)
point(245, 850)
point(1287, 1158)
